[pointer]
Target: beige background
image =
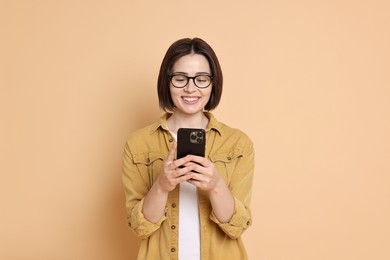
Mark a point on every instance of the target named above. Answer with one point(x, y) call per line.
point(308, 80)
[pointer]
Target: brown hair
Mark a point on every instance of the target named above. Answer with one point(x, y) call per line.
point(177, 50)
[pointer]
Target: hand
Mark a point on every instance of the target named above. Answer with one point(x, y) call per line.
point(206, 176)
point(172, 173)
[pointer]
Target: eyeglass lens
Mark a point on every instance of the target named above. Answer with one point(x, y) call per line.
point(201, 81)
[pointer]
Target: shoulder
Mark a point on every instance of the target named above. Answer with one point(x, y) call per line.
point(227, 132)
point(239, 137)
point(149, 133)
point(228, 137)
point(140, 134)
point(145, 139)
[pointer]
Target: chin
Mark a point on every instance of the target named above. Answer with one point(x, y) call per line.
point(189, 111)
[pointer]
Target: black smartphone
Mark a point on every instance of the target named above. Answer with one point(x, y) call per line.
point(191, 141)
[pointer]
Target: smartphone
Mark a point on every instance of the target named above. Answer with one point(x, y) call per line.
point(191, 141)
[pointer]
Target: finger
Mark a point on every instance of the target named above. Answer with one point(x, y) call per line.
point(172, 152)
point(198, 169)
point(194, 182)
point(195, 176)
point(190, 164)
point(181, 162)
point(185, 170)
point(186, 178)
point(200, 160)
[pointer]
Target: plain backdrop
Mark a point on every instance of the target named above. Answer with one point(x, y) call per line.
point(308, 81)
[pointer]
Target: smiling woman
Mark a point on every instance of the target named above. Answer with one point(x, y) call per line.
point(198, 207)
point(188, 98)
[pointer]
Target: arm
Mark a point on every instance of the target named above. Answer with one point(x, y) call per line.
point(136, 186)
point(171, 175)
point(146, 207)
point(240, 185)
point(208, 179)
point(222, 201)
point(231, 208)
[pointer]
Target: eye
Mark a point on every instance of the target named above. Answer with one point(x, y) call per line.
point(202, 79)
point(179, 78)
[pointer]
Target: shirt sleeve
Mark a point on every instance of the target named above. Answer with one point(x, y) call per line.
point(141, 226)
point(240, 186)
point(136, 188)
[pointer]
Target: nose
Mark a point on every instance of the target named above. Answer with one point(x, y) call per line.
point(191, 87)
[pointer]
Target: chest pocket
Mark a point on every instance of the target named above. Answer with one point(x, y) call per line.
point(226, 162)
point(149, 165)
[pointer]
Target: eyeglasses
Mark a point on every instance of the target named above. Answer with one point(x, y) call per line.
point(200, 81)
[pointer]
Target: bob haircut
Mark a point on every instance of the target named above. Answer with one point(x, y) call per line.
point(177, 50)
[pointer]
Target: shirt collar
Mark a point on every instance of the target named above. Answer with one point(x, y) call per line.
point(214, 124)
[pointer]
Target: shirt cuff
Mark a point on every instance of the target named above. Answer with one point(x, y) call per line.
point(141, 226)
point(238, 223)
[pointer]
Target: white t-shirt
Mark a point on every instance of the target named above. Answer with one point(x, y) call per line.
point(189, 225)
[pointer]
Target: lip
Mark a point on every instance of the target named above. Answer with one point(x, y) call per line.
point(190, 99)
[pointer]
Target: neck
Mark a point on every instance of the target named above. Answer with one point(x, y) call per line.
point(179, 120)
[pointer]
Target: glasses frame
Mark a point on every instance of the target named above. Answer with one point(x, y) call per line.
point(188, 80)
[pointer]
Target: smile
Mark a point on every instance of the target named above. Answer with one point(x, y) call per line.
point(190, 99)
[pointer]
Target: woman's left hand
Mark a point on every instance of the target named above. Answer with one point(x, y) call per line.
point(206, 176)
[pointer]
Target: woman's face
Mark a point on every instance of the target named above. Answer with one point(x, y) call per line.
point(190, 99)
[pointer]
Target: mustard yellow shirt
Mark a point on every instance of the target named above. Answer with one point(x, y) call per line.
point(232, 153)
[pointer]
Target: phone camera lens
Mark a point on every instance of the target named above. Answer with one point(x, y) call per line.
point(199, 140)
point(193, 136)
point(200, 134)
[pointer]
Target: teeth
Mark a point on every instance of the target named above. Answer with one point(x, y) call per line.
point(190, 99)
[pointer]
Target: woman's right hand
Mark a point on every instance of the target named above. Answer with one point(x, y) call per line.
point(174, 171)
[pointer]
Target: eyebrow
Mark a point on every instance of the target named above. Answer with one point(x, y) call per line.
point(186, 74)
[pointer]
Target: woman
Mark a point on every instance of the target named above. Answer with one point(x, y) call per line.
point(193, 207)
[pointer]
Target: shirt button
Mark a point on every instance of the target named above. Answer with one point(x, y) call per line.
point(229, 158)
point(170, 140)
point(173, 227)
point(148, 159)
point(173, 205)
point(173, 249)
point(248, 223)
